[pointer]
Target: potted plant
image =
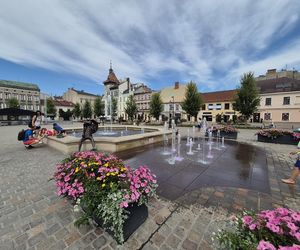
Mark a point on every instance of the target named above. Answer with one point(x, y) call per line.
point(112, 194)
point(278, 136)
point(225, 131)
point(269, 229)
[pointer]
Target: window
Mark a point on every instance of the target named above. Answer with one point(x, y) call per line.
point(268, 101)
point(285, 116)
point(267, 116)
point(203, 107)
point(227, 105)
point(286, 100)
point(210, 106)
point(171, 107)
point(29, 97)
point(7, 96)
point(218, 106)
point(177, 107)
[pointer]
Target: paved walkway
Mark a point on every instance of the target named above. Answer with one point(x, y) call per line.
point(33, 217)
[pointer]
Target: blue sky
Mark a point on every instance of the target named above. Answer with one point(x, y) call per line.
point(59, 44)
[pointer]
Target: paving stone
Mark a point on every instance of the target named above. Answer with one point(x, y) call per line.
point(173, 241)
point(36, 239)
point(59, 245)
point(158, 239)
point(71, 237)
point(53, 229)
point(87, 239)
point(99, 242)
point(21, 239)
point(61, 233)
point(45, 244)
point(189, 245)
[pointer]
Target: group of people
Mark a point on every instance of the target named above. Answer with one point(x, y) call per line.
point(34, 134)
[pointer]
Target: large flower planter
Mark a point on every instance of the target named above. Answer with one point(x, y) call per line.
point(284, 139)
point(137, 216)
point(227, 135)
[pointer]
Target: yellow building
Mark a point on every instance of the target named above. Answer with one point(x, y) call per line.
point(218, 106)
point(76, 96)
point(172, 98)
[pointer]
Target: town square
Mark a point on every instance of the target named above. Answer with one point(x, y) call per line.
point(162, 126)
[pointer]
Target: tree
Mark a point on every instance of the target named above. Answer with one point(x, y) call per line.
point(156, 105)
point(114, 107)
point(65, 114)
point(51, 109)
point(77, 110)
point(131, 107)
point(13, 103)
point(98, 107)
point(247, 98)
point(87, 110)
point(192, 100)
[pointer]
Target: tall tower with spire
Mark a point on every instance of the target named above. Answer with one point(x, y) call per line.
point(111, 89)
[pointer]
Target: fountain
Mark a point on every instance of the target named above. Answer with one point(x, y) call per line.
point(190, 152)
point(142, 131)
point(178, 157)
point(218, 141)
point(209, 155)
point(223, 146)
point(193, 134)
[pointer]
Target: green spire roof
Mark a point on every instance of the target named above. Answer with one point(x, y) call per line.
point(19, 85)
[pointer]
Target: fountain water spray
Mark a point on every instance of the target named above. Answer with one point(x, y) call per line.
point(178, 157)
point(223, 146)
point(218, 140)
point(201, 154)
point(209, 155)
point(193, 134)
point(191, 145)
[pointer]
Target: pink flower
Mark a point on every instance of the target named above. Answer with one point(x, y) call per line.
point(297, 236)
point(265, 245)
point(247, 220)
point(292, 226)
point(252, 226)
point(296, 216)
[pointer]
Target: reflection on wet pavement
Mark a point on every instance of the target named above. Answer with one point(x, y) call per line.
point(237, 165)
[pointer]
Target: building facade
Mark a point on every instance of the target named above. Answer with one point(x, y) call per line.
point(142, 97)
point(280, 100)
point(27, 94)
point(218, 106)
point(273, 74)
point(62, 105)
point(79, 96)
point(172, 98)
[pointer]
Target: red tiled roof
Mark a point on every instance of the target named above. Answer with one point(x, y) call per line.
point(61, 102)
point(219, 96)
point(111, 78)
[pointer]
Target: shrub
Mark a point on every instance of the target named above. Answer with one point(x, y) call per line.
point(103, 186)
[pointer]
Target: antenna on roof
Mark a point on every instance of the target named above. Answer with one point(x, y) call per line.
point(110, 64)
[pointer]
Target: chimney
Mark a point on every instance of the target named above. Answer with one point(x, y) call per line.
point(128, 82)
point(176, 85)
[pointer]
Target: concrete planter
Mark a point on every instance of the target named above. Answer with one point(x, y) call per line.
point(284, 139)
point(226, 135)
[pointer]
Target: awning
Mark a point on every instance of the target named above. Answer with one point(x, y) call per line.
point(16, 112)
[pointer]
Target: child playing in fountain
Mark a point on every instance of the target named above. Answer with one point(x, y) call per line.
point(296, 170)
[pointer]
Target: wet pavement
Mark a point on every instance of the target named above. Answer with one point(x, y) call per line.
point(236, 165)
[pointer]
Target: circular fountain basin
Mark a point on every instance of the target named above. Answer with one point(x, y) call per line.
point(235, 165)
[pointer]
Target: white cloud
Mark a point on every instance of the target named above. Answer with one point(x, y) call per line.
point(194, 39)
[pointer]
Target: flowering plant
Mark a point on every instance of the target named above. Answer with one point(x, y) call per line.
point(267, 230)
point(273, 133)
point(103, 186)
point(226, 129)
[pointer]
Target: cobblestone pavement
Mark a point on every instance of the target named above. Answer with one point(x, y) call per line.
point(33, 217)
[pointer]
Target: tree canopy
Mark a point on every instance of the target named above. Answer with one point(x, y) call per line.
point(192, 100)
point(51, 109)
point(87, 110)
point(131, 107)
point(13, 103)
point(156, 105)
point(77, 110)
point(98, 107)
point(247, 98)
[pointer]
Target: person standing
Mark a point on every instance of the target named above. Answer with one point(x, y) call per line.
point(36, 121)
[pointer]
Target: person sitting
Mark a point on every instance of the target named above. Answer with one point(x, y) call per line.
point(29, 140)
point(36, 121)
point(59, 130)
